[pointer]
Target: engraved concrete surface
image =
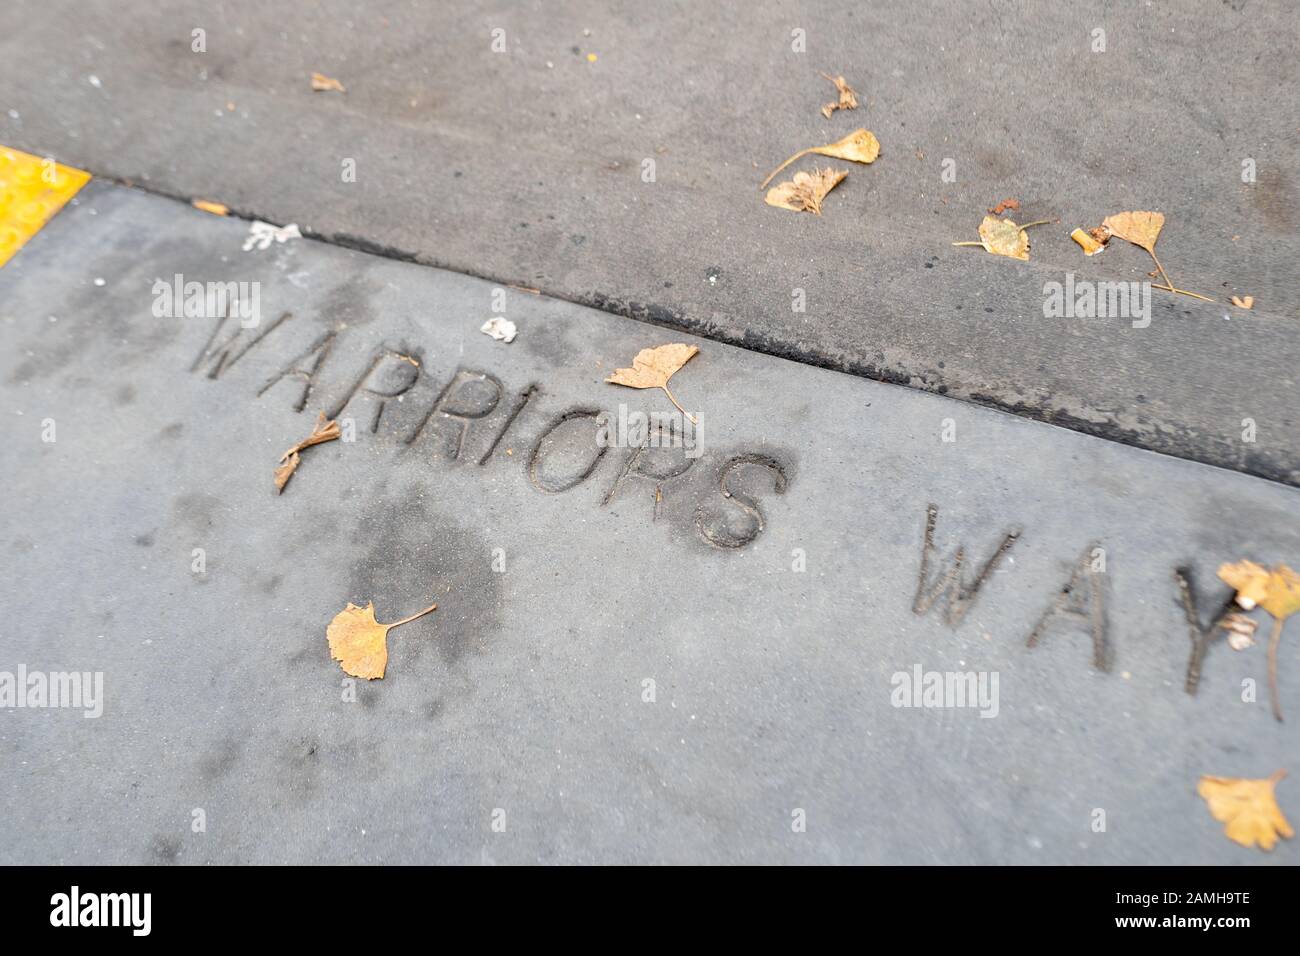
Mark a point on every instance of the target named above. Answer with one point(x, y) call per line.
point(526, 166)
point(638, 655)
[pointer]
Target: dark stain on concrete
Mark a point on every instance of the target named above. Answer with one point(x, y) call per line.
point(164, 849)
point(410, 556)
point(220, 761)
point(195, 511)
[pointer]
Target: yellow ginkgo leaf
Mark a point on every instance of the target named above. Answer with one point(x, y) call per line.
point(1002, 237)
point(360, 643)
point(860, 146)
point(1248, 808)
point(806, 191)
point(652, 368)
point(1140, 228)
point(1276, 591)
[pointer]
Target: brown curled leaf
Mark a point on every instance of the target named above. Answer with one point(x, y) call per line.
point(848, 96)
point(324, 430)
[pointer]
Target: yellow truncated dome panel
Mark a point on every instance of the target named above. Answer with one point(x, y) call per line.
point(32, 190)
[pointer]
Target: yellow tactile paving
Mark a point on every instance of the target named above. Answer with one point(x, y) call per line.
point(32, 190)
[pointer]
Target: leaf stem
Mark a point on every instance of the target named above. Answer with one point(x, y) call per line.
point(1274, 639)
point(1040, 222)
point(977, 243)
point(679, 407)
point(1168, 281)
point(1194, 295)
point(802, 152)
point(407, 620)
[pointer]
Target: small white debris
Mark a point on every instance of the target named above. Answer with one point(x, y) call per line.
point(13, 115)
point(1241, 631)
point(262, 234)
point(94, 81)
point(503, 330)
point(98, 281)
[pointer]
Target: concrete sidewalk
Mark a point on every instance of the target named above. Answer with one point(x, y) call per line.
point(526, 166)
point(638, 656)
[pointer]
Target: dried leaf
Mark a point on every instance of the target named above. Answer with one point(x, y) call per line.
point(216, 208)
point(1244, 302)
point(1240, 630)
point(1003, 206)
point(322, 83)
point(1088, 242)
point(1248, 807)
point(806, 191)
point(1140, 228)
point(860, 146)
point(324, 430)
point(1276, 591)
point(360, 643)
point(652, 368)
point(284, 471)
point(1002, 237)
point(848, 98)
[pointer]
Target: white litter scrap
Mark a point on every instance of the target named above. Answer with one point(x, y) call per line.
point(262, 234)
point(503, 330)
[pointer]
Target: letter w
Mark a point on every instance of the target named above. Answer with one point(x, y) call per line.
point(960, 593)
point(218, 355)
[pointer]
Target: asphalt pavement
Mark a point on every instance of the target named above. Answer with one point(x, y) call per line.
point(511, 141)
